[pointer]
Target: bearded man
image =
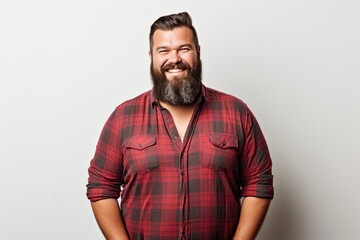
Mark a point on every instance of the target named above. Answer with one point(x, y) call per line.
point(187, 161)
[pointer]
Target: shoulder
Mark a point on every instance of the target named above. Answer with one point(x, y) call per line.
point(216, 95)
point(224, 100)
point(134, 104)
point(131, 108)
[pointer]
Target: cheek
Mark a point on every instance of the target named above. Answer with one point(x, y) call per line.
point(190, 59)
point(158, 62)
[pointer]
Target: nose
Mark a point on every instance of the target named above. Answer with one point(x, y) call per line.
point(174, 57)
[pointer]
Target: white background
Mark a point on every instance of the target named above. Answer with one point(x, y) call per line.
point(65, 65)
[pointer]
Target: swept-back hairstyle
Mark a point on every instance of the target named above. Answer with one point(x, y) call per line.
point(170, 22)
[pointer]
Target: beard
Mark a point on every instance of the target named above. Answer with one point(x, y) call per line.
point(182, 90)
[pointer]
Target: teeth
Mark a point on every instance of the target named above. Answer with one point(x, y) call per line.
point(174, 70)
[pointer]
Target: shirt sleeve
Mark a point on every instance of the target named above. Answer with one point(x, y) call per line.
point(106, 167)
point(256, 165)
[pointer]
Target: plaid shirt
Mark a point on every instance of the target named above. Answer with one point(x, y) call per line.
point(173, 189)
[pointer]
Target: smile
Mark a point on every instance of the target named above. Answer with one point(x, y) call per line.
point(176, 70)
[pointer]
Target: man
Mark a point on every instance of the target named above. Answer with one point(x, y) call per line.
point(180, 156)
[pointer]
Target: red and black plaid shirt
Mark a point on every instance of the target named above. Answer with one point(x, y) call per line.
point(181, 190)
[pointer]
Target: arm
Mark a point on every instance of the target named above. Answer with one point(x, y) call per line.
point(252, 215)
point(105, 180)
point(256, 180)
point(108, 217)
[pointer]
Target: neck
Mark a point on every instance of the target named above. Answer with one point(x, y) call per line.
point(181, 115)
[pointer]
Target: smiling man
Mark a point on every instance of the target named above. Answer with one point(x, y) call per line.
point(180, 156)
point(175, 66)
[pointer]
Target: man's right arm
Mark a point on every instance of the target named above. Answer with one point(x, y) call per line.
point(105, 180)
point(108, 217)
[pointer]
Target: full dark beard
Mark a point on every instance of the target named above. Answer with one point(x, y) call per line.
point(180, 90)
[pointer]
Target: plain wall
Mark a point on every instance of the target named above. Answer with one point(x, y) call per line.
point(65, 65)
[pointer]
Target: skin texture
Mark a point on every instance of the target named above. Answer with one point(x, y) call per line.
point(172, 47)
point(108, 217)
point(252, 215)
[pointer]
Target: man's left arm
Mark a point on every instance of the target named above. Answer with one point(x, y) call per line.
point(256, 180)
point(252, 215)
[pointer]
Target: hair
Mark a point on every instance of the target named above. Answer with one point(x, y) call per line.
point(170, 22)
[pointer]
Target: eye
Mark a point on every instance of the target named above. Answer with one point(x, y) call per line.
point(163, 51)
point(185, 49)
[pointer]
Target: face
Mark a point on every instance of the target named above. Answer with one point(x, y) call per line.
point(175, 66)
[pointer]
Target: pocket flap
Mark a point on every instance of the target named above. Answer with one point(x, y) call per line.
point(223, 140)
point(141, 142)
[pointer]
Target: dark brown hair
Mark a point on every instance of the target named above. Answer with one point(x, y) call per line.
point(172, 21)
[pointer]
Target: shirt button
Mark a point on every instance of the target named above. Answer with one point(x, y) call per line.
point(175, 137)
point(224, 143)
point(140, 145)
point(182, 173)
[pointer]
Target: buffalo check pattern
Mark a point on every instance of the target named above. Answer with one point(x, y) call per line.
point(173, 189)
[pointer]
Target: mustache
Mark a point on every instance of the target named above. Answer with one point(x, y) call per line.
point(180, 65)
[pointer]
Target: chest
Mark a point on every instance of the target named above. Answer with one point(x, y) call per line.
point(147, 154)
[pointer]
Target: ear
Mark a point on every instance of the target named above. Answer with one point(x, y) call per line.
point(150, 55)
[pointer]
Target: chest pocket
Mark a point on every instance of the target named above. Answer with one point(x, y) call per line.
point(140, 154)
point(221, 151)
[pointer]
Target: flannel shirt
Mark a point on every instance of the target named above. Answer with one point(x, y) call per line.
point(173, 189)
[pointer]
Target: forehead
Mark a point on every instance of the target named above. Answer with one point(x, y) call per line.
point(174, 37)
